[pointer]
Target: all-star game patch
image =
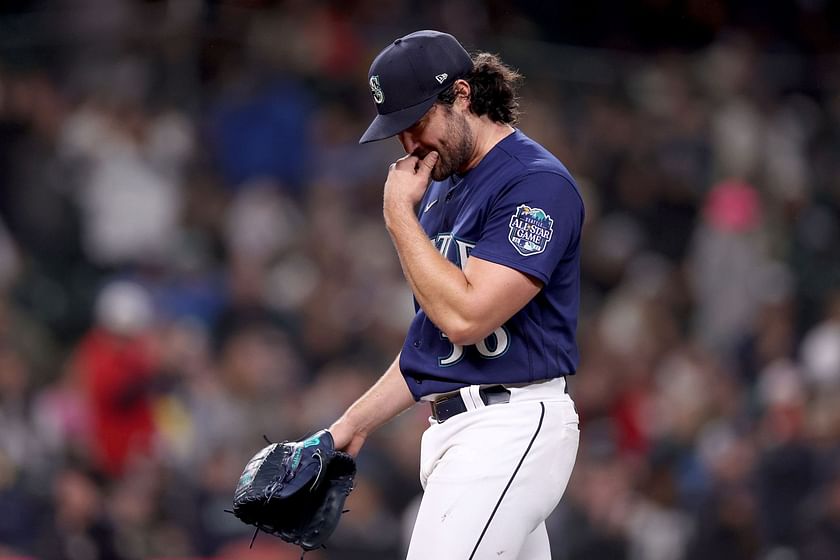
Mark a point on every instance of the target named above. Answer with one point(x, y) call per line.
point(530, 230)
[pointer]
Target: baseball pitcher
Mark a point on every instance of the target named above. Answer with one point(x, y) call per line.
point(487, 226)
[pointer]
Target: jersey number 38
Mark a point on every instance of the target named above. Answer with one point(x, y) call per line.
point(491, 347)
point(494, 345)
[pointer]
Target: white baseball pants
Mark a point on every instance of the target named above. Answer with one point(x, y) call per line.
point(493, 474)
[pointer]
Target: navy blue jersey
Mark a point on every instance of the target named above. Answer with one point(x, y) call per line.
point(519, 207)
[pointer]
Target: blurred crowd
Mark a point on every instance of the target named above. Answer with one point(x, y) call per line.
point(192, 256)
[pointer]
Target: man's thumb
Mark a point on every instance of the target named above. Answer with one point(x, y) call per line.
point(429, 161)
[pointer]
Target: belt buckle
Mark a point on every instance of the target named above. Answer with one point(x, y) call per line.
point(435, 411)
point(440, 401)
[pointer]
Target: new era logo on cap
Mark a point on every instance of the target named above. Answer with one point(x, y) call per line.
point(401, 83)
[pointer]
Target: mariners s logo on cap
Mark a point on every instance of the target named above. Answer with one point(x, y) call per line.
point(378, 94)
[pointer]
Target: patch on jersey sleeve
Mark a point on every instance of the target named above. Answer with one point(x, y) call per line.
point(530, 230)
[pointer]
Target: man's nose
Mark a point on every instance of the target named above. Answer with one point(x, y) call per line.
point(409, 144)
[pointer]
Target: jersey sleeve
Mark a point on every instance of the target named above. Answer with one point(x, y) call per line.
point(533, 225)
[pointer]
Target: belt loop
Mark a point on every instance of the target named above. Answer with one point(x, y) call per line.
point(471, 397)
point(475, 394)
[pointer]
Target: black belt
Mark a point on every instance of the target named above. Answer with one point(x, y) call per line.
point(447, 406)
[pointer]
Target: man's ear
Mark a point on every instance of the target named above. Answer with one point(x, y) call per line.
point(462, 92)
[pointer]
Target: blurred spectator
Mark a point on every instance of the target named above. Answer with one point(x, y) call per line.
point(77, 526)
point(117, 365)
point(20, 509)
point(730, 266)
point(216, 528)
point(657, 528)
point(786, 471)
point(727, 521)
point(821, 349)
point(263, 134)
point(595, 515)
point(132, 165)
point(821, 538)
point(19, 442)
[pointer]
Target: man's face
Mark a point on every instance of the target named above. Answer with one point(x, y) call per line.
point(446, 131)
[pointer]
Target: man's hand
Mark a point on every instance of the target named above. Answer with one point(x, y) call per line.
point(346, 437)
point(408, 179)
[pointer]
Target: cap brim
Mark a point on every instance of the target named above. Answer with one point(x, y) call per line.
point(385, 126)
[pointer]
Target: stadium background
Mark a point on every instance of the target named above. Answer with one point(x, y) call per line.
point(192, 255)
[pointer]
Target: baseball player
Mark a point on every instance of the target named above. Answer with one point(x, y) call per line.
point(487, 225)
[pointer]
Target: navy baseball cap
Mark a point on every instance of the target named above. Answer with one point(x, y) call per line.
point(407, 76)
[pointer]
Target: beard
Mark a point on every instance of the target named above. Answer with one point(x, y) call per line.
point(456, 147)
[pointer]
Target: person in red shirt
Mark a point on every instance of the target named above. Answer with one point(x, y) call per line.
point(117, 367)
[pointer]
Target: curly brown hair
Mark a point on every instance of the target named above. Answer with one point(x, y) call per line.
point(493, 86)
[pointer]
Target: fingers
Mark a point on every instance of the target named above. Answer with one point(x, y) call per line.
point(355, 446)
point(412, 162)
point(428, 163)
point(406, 163)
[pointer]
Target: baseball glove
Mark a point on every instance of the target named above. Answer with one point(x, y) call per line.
point(296, 490)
